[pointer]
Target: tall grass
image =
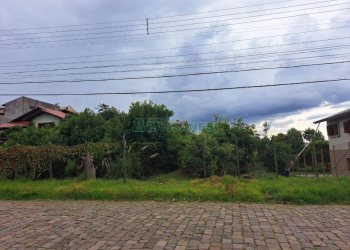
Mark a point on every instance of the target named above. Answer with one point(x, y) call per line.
point(266, 189)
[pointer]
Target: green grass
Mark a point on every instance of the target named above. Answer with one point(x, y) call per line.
point(172, 187)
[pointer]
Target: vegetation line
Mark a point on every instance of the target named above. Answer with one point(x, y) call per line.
point(266, 189)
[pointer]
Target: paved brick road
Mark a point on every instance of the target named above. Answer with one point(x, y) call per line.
point(151, 225)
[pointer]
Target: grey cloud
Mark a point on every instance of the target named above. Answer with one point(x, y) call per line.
point(253, 104)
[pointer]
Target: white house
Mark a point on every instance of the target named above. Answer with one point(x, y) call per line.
point(338, 130)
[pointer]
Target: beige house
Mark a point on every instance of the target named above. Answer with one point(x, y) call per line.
point(42, 117)
point(338, 130)
point(19, 106)
point(24, 112)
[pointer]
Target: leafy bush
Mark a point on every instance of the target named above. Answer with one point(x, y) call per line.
point(115, 170)
point(70, 169)
point(32, 162)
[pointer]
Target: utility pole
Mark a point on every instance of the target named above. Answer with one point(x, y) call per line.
point(147, 27)
point(275, 157)
point(124, 157)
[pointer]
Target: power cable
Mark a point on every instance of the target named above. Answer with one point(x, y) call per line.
point(171, 48)
point(142, 20)
point(164, 37)
point(171, 26)
point(178, 91)
point(277, 26)
point(252, 56)
point(304, 50)
point(169, 31)
point(171, 76)
point(207, 65)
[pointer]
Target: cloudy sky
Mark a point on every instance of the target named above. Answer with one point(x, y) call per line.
point(63, 40)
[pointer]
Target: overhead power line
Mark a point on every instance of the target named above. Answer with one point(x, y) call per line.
point(300, 60)
point(165, 37)
point(122, 53)
point(164, 49)
point(225, 42)
point(150, 18)
point(171, 76)
point(295, 51)
point(132, 36)
point(172, 26)
point(179, 91)
point(276, 8)
point(246, 57)
point(245, 30)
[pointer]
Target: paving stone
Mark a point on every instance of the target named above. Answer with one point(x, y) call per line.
point(163, 225)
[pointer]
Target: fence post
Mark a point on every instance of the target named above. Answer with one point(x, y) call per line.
point(50, 169)
point(124, 156)
point(323, 165)
point(298, 166)
point(237, 159)
point(313, 163)
point(86, 161)
point(305, 167)
point(335, 162)
point(315, 160)
point(275, 157)
point(203, 159)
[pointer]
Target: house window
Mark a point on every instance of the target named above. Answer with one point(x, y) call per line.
point(348, 163)
point(332, 129)
point(347, 127)
point(46, 124)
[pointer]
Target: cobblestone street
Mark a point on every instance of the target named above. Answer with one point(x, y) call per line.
point(164, 225)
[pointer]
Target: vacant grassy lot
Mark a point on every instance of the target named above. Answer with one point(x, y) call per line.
point(267, 189)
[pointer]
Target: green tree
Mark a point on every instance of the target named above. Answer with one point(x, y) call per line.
point(266, 128)
point(31, 136)
point(85, 127)
point(247, 140)
point(267, 149)
point(310, 133)
point(149, 123)
point(116, 127)
point(294, 138)
point(215, 147)
point(148, 119)
point(107, 112)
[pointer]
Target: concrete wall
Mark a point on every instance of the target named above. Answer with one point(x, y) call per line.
point(339, 149)
point(45, 118)
point(339, 142)
point(20, 106)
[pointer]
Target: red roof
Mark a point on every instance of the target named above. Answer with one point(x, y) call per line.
point(39, 110)
point(69, 109)
point(15, 124)
point(53, 112)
